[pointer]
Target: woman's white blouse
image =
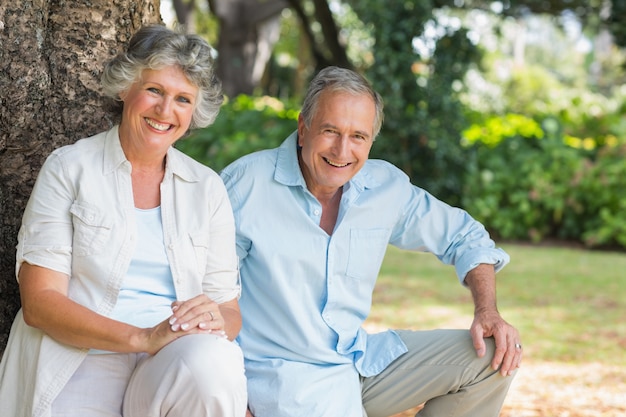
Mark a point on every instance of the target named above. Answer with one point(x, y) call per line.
point(80, 221)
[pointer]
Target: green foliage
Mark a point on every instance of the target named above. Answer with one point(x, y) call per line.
point(496, 129)
point(244, 125)
point(424, 116)
point(603, 192)
point(533, 91)
point(526, 182)
point(580, 112)
point(562, 178)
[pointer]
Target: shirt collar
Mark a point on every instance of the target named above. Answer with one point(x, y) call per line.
point(287, 167)
point(288, 170)
point(113, 153)
point(114, 157)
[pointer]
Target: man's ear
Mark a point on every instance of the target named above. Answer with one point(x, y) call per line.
point(301, 127)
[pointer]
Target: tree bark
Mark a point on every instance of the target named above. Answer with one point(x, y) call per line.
point(51, 56)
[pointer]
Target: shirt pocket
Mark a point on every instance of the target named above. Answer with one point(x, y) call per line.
point(200, 244)
point(366, 252)
point(92, 229)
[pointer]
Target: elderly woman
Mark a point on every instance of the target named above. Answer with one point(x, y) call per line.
point(126, 258)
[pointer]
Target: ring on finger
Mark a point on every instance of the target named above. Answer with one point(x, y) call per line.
point(518, 346)
point(212, 316)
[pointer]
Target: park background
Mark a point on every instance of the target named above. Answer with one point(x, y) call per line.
point(513, 110)
point(517, 115)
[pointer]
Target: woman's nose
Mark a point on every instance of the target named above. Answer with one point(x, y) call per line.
point(164, 106)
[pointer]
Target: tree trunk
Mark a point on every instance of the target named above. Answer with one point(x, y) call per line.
point(51, 56)
point(185, 14)
point(328, 50)
point(248, 31)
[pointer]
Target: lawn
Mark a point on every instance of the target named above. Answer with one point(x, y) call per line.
point(569, 305)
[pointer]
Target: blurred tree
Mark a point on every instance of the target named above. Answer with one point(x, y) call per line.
point(417, 55)
point(185, 15)
point(616, 22)
point(419, 63)
point(248, 30)
point(561, 73)
point(596, 14)
point(326, 46)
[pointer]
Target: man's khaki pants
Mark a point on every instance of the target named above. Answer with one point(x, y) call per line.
point(441, 369)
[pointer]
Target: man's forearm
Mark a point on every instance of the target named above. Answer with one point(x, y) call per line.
point(482, 283)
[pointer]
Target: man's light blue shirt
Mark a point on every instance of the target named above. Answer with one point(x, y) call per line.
point(305, 294)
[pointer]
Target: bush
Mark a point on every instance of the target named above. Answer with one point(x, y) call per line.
point(244, 125)
point(525, 182)
point(602, 191)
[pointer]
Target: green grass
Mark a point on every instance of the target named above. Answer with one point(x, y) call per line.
point(568, 304)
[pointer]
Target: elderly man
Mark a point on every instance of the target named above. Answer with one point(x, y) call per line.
point(314, 218)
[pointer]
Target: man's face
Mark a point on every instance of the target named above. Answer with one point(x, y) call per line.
point(337, 144)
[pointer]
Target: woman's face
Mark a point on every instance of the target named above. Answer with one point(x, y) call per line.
point(157, 111)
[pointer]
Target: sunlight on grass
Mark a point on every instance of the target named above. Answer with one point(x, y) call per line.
point(569, 304)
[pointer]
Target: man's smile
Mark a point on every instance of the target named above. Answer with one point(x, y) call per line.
point(335, 164)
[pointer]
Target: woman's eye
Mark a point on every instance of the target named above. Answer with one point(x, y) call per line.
point(184, 100)
point(154, 90)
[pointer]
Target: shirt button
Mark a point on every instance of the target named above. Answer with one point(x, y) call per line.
point(316, 212)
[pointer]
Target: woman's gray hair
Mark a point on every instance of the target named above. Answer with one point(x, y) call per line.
point(340, 80)
point(155, 47)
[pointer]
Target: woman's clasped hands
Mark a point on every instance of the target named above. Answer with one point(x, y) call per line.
point(196, 315)
point(199, 314)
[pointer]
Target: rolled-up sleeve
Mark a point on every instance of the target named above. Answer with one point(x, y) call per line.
point(45, 236)
point(221, 282)
point(430, 225)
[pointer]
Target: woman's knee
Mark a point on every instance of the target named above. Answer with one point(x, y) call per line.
point(214, 362)
point(193, 374)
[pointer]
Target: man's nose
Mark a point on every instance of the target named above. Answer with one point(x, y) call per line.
point(341, 144)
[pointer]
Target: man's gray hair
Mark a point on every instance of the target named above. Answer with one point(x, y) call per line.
point(155, 47)
point(340, 80)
